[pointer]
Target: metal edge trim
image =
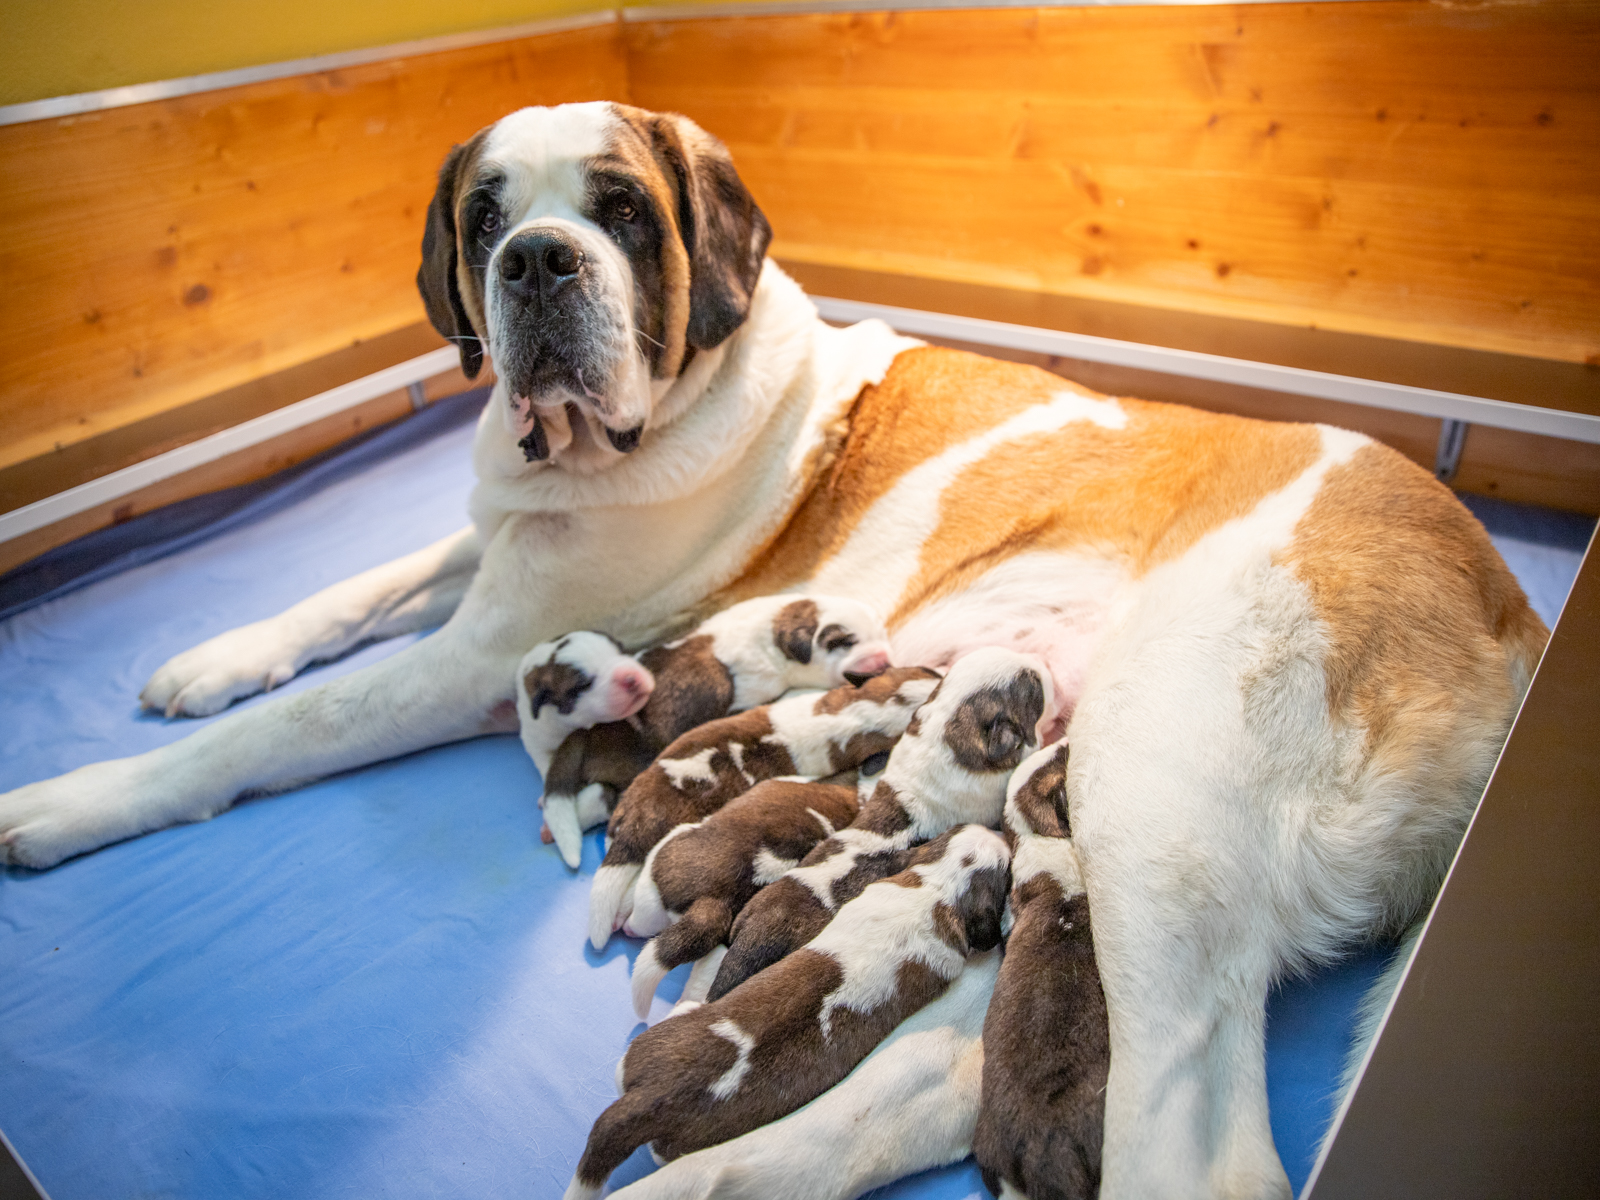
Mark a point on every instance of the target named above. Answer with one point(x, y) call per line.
point(777, 8)
point(1478, 410)
point(27, 1171)
point(227, 441)
point(166, 89)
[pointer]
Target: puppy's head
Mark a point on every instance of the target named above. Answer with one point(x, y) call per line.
point(988, 710)
point(830, 640)
point(1036, 796)
point(585, 678)
point(594, 250)
point(969, 865)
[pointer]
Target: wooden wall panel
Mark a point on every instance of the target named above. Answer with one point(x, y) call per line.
point(164, 252)
point(1405, 169)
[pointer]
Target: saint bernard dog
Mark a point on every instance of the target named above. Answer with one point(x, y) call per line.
point(1285, 657)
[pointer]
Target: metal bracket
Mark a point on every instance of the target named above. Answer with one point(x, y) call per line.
point(419, 398)
point(1447, 458)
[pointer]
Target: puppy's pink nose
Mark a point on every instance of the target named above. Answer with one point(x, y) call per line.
point(864, 666)
point(630, 689)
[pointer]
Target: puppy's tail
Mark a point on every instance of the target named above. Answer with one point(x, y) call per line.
point(647, 976)
point(561, 815)
point(610, 900)
point(625, 1126)
point(700, 931)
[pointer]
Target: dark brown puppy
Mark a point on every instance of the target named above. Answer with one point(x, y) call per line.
point(951, 767)
point(767, 1048)
point(809, 735)
point(745, 655)
point(1046, 1041)
point(698, 877)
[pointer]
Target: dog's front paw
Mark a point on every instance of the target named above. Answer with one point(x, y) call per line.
point(45, 822)
point(208, 678)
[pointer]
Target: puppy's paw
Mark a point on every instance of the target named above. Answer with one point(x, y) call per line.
point(211, 676)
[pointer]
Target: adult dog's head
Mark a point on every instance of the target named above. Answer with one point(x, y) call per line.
point(594, 250)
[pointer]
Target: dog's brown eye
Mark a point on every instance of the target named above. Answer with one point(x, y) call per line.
point(489, 223)
point(624, 211)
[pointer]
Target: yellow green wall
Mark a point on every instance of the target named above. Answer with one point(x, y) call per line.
point(57, 47)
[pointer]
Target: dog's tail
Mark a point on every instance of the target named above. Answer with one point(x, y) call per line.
point(561, 815)
point(696, 934)
point(610, 900)
point(626, 1125)
point(782, 917)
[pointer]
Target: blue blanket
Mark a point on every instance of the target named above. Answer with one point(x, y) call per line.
point(378, 985)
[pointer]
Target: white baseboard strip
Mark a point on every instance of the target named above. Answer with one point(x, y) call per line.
point(228, 441)
point(1449, 406)
point(1477, 410)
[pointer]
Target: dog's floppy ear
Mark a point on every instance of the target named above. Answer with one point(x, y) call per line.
point(794, 629)
point(724, 234)
point(436, 278)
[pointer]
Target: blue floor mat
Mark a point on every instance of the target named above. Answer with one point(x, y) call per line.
point(378, 985)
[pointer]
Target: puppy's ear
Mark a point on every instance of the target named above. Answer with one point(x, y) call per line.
point(1042, 798)
point(982, 906)
point(724, 234)
point(992, 729)
point(795, 628)
point(557, 684)
point(436, 278)
point(952, 930)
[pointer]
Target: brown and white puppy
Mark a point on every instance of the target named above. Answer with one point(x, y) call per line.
point(809, 734)
point(1046, 1040)
point(950, 768)
point(572, 683)
point(697, 878)
point(746, 655)
point(910, 1105)
point(759, 1053)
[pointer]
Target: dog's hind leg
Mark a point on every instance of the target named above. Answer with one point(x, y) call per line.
point(415, 592)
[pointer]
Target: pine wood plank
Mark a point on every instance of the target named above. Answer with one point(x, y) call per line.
point(167, 251)
point(1401, 169)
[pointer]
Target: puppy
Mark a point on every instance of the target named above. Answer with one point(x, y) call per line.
point(748, 654)
point(572, 683)
point(1047, 1044)
point(810, 734)
point(951, 767)
point(910, 1106)
point(697, 878)
point(765, 1049)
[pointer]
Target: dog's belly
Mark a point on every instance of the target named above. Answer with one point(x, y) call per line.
point(1057, 605)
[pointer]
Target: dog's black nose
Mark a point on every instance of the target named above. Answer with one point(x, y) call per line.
point(539, 263)
point(625, 440)
point(856, 678)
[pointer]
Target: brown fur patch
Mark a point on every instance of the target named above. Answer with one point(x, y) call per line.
point(1042, 800)
point(794, 628)
point(992, 729)
point(1139, 495)
point(612, 754)
point(717, 858)
point(692, 687)
point(1428, 633)
point(557, 684)
point(1046, 1052)
point(653, 806)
